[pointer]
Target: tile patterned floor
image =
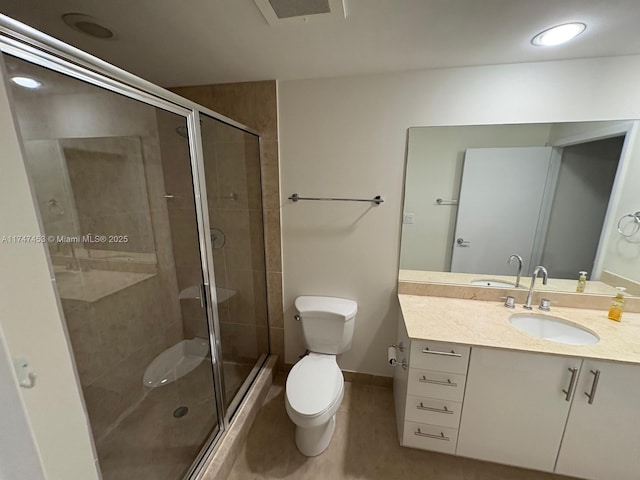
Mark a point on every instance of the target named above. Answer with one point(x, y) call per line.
point(364, 447)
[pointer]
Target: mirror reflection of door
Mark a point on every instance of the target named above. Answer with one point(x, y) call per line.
point(501, 202)
point(548, 206)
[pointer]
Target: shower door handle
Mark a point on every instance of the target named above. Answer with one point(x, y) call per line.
point(202, 294)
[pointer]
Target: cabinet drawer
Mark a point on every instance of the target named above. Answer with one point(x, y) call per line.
point(446, 357)
point(430, 437)
point(432, 384)
point(445, 413)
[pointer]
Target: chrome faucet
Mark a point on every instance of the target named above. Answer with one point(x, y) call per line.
point(539, 269)
point(519, 258)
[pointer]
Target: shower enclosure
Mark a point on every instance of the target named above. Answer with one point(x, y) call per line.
point(151, 209)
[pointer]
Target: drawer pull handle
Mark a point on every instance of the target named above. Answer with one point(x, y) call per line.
point(446, 354)
point(431, 435)
point(432, 409)
point(594, 386)
point(572, 383)
point(448, 383)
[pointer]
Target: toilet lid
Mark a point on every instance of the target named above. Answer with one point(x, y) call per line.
point(313, 384)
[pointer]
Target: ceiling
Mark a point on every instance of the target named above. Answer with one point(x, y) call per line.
point(173, 42)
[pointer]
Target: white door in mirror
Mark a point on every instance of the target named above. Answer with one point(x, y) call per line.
point(501, 199)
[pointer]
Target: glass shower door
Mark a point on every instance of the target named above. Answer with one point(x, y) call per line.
point(232, 172)
point(113, 182)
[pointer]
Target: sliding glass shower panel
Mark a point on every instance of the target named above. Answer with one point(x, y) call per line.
point(112, 179)
point(232, 172)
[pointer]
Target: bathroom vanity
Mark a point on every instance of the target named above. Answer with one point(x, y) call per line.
point(470, 383)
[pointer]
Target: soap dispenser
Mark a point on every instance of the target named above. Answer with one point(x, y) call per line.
point(617, 305)
point(582, 282)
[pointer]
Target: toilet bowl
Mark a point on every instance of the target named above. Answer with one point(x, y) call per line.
point(315, 385)
point(314, 392)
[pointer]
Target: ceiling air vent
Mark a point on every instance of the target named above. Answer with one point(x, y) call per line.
point(283, 12)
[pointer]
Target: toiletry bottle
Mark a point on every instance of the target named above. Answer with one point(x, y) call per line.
point(617, 305)
point(582, 282)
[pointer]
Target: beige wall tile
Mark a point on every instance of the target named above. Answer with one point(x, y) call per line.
point(224, 316)
point(270, 171)
point(231, 189)
point(255, 184)
point(256, 228)
point(194, 320)
point(86, 341)
point(241, 305)
point(273, 240)
point(260, 290)
point(262, 339)
point(276, 336)
point(274, 288)
point(197, 94)
point(238, 342)
point(236, 226)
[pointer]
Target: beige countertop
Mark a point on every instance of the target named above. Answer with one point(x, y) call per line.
point(483, 323)
point(553, 284)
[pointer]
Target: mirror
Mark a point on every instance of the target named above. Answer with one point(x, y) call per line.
point(86, 188)
point(562, 195)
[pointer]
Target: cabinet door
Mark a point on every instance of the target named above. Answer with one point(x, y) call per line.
point(602, 439)
point(514, 409)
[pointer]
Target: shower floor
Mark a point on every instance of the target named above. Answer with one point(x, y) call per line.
point(150, 443)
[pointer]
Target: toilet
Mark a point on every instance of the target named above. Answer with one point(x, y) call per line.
point(315, 385)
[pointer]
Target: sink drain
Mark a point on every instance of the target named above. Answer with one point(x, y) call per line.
point(180, 411)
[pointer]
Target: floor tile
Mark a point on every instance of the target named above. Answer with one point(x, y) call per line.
point(364, 447)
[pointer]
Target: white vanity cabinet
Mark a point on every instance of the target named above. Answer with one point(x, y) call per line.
point(429, 393)
point(519, 400)
point(515, 407)
point(602, 438)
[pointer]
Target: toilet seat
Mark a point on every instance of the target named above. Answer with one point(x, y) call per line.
point(314, 385)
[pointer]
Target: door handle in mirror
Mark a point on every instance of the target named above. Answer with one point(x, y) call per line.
point(462, 242)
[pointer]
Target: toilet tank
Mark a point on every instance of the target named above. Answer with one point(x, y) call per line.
point(327, 323)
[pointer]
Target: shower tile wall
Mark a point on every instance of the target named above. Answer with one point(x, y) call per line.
point(120, 206)
point(255, 105)
point(116, 336)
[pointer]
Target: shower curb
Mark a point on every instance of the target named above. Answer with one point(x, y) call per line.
point(218, 466)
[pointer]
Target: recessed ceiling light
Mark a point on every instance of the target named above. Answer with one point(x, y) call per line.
point(87, 25)
point(558, 34)
point(26, 82)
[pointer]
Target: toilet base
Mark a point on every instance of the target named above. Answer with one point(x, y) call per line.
point(315, 440)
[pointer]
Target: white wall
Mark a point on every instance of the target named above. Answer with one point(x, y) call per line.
point(31, 321)
point(19, 456)
point(347, 137)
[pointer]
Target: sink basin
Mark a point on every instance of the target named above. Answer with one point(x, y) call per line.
point(488, 282)
point(553, 329)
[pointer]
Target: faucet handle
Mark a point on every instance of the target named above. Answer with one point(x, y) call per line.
point(510, 302)
point(545, 305)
